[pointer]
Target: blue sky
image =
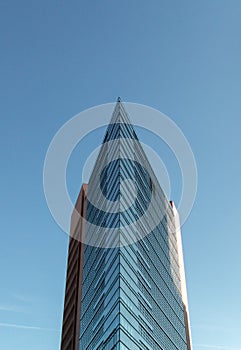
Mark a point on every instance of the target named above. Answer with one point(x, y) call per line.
point(59, 58)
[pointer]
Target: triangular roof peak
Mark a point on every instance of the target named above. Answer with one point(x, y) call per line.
point(120, 126)
point(120, 115)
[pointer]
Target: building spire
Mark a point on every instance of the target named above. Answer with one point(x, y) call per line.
point(119, 114)
point(120, 121)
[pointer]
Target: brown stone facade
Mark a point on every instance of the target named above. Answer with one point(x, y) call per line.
point(72, 302)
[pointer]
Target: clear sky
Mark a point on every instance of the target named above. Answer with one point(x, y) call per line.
point(61, 57)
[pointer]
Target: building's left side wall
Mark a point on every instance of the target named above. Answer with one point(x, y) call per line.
point(72, 302)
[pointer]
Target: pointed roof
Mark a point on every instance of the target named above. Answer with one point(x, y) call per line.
point(120, 115)
point(120, 125)
point(110, 199)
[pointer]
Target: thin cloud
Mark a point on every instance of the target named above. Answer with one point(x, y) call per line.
point(211, 327)
point(19, 297)
point(11, 308)
point(217, 347)
point(16, 303)
point(20, 326)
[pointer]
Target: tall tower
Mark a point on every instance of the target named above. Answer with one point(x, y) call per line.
point(125, 286)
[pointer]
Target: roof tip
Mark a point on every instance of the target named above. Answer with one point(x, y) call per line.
point(119, 99)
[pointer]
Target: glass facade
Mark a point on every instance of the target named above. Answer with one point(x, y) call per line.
point(131, 288)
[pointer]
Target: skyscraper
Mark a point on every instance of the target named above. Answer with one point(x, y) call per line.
point(125, 286)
